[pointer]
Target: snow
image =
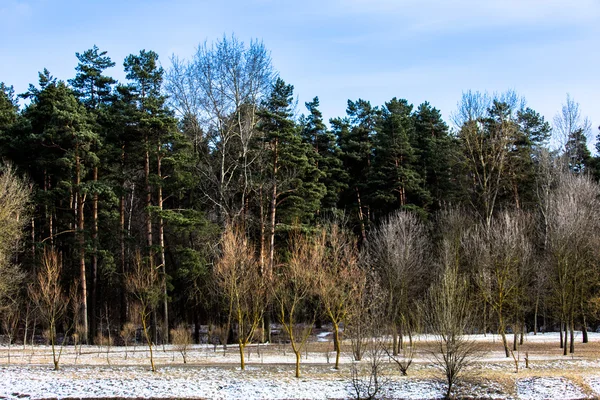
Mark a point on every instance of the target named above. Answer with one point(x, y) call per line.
point(170, 382)
point(548, 388)
point(215, 374)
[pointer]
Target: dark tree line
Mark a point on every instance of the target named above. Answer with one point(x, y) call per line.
point(150, 172)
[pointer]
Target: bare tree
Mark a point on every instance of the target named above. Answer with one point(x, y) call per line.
point(144, 286)
point(447, 314)
point(219, 92)
point(398, 252)
point(48, 296)
point(501, 255)
point(572, 245)
point(487, 129)
point(238, 276)
point(568, 123)
point(11, 316)
point(14, 198)
point(338, 278)
point(294, 285)
point(368, 299)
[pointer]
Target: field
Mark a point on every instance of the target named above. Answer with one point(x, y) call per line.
point(213, 372)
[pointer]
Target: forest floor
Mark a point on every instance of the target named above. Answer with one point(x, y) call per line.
point(214, 373)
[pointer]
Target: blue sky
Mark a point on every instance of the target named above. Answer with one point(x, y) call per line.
point(336, 49)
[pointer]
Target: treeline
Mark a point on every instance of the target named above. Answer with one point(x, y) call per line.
point(204, 173)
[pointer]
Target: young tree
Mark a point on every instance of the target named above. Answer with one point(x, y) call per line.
point(294, 285)
point(338, 278)
point(48, 296)
point(398, 252)
point(238, 276)
point(447, 314)
point(144, 286)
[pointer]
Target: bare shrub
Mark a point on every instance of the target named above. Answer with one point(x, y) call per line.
point(127, 335)
point(182, 339)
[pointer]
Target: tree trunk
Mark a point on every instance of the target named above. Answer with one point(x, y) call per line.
point(81, 243)
point(149, 241)
point(122, 240)
point(535, 314)
point(566, 338)
point(561, 333)
point(361, 218)
point(242, 359)
point(572, 334)
point(584, 332)
point(161, 239)
point(273, 211)
point(297, 353)
point(502, 331)
point(94, 256)
point(336, 344)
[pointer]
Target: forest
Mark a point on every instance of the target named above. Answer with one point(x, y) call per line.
point(203, 194)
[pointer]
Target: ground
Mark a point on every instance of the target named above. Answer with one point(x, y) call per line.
point(213, 372)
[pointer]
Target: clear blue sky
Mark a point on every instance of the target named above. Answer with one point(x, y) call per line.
point(336, 49)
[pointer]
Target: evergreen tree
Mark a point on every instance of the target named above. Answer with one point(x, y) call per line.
point(436, 152)
point(94, 90)
point(9, 107)
point(294, 189)
point(355, 139)
point(326, 154)
point(577, 152)
point(90, 85)
point(395, 183)
point(157, 126)
point(61, 126)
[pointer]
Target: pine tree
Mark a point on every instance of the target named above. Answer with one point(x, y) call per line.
point(436, 152)
point(395, 182)
point(95, 91)
point(9, 107)
point(156, 125)
point(326, 155)
point(355, 139)
point(295, 192)
point(62, 128)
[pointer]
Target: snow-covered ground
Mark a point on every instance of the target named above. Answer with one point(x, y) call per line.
point(213, 373)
